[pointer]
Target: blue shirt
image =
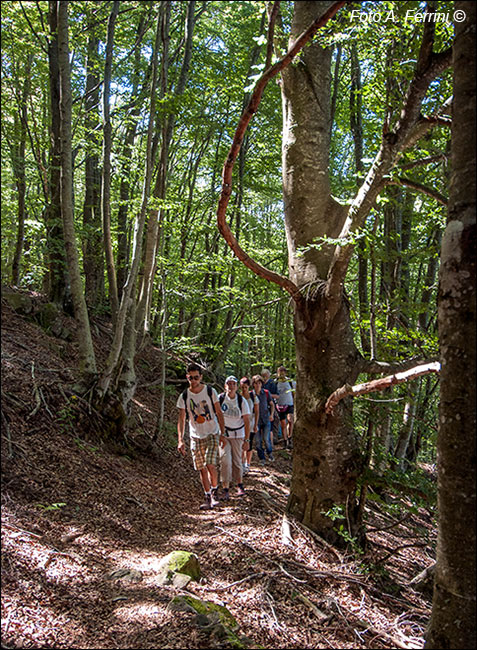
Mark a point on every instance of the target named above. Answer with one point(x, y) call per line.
point(271, 386)
point(263, 406)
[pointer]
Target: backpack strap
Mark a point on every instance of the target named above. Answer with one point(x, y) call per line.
point(184, 397)
point(239, 399)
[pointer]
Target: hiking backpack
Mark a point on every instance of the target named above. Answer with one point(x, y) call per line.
point(267, 395)
point(239, 400)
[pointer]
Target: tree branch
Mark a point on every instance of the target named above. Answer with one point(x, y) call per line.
point(424, 161)
point(244, 121)
point(271, 30)
point(379, 384)
point(407, 182)
point(375, 367)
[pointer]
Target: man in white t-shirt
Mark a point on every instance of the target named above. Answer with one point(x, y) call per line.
point(206, 422)
point(237, 434)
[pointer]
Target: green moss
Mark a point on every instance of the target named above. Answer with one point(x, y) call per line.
point(216, 617)
point(207, 608)
point(181, 562)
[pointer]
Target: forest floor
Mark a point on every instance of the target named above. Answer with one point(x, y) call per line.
point(74, 511)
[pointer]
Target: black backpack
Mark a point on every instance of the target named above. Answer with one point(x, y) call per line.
point(184, 397)
point(239, 399)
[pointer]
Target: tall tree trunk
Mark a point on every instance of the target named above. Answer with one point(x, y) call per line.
point(120, 362)
point(428, 288)
point(406, 429)
point(453, 620)
point(93, 243)
point(57, 271)
point(106, 181)
point(126, 162)
point(356, 123)
point(18, 164)
point(87, 363)
point(325, 459)
point(155, 230)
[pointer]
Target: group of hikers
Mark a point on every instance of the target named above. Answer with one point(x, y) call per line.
point(225, 428)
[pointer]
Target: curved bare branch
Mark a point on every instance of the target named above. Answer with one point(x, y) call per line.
point(244, 121)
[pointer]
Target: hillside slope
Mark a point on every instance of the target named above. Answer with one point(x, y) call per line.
point(74, 511)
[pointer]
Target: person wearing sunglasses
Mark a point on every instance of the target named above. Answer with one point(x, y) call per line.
point(199, 404)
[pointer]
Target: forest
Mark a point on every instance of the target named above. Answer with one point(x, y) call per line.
point(239, 186)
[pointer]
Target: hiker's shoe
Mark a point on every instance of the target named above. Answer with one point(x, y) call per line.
point(271, 458)
point(214, 497)
point(225, 494)
point(262, 462)
point(207, 503)
point(246, 468)
point(240, 491)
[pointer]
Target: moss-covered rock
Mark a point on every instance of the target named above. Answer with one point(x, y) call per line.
point(18, 301)
point(182, 562)
point(212, 617)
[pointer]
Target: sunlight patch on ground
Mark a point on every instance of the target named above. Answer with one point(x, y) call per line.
point(148, 614)
point(147, 563)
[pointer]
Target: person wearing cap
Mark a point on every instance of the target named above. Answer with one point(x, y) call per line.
point(236, 414)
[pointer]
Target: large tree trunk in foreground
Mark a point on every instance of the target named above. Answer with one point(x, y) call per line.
point(453, 623)
point(326, 458)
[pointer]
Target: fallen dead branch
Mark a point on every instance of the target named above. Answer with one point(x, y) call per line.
point(397, 549)
point(407, 644)
point(314, 572)
point(321, 616)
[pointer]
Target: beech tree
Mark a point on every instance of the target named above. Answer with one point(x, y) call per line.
point(326, 461)
point(85, 343)
point(453, 608)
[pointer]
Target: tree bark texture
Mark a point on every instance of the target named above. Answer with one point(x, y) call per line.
point(87, 363)
point(93, 243)
point(57, 273)
point(106, 183)
point(18, 164)
point(453, 620)
point(326, 460)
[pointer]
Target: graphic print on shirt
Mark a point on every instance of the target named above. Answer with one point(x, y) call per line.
point(231, 410)
point(200, 411)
